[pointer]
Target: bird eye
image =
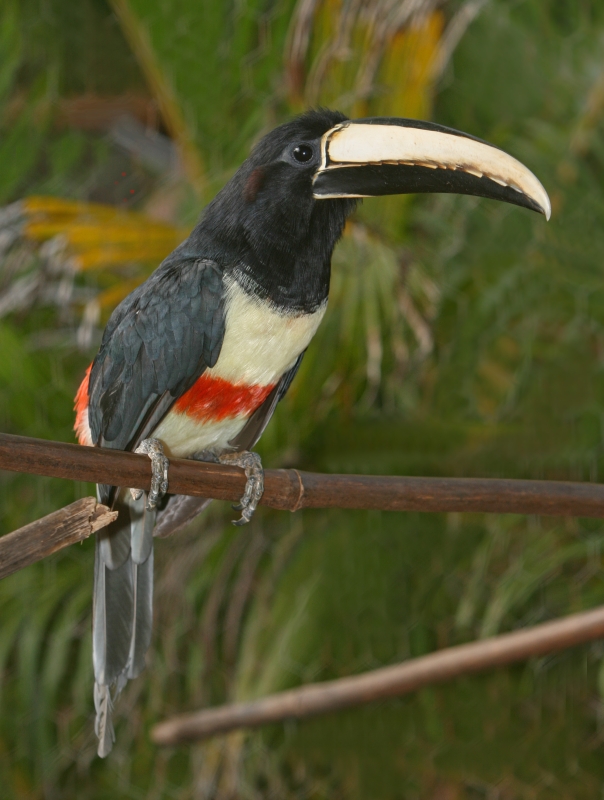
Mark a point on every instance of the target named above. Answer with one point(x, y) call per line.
point(303, 153)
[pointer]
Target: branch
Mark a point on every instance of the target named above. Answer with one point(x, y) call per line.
point(394, 681)
point(290, 489)
point(51, 533)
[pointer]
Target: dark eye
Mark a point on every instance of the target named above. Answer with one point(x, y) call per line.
point(303, 153)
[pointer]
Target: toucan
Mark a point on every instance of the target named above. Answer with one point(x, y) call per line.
point(194, 361)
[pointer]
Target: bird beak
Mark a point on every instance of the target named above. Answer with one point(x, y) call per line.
point(370, 157)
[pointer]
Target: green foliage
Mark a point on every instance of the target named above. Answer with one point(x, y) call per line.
point(83, 43)
point(221, 62)
point(49, 50)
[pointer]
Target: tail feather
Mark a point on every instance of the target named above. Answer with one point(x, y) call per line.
point(142, 523)
point(112, 619)
point(103, 726)
point(113, 542)
point(123, 607)
point(143, 616)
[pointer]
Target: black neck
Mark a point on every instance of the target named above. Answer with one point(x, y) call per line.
point(279, 247)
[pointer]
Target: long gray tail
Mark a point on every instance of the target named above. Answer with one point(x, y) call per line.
point(122, 614)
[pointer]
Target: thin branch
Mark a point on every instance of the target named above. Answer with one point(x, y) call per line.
point(51, 533)
point(321, 698)
point(290, 489)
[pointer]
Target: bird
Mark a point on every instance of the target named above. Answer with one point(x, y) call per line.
point(194, 361)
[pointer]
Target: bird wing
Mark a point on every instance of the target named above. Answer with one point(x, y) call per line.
point(156, 345)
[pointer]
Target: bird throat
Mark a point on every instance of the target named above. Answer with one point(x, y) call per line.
point(293, 272)
point(278, 251)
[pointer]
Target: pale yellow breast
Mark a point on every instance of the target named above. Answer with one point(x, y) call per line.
point(260, 343)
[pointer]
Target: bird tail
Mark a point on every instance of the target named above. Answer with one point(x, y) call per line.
point(122, 613)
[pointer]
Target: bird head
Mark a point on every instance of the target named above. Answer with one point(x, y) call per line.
point(286, 206)
point(269, 204)
point(322, 156)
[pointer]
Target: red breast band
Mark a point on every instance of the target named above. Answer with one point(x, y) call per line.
point(208, 400)
point(213, 399)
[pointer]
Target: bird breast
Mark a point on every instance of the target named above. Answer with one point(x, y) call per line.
point(261, 343)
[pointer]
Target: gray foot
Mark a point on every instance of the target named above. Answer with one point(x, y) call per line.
point(159, 471)
point(252, 465)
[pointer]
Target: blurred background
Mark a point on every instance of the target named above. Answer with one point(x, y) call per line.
point(463, 337)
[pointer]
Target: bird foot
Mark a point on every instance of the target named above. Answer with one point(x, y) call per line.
point(252, 465)
point(159, 472)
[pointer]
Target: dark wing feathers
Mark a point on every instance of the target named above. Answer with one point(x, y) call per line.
point(156, 344)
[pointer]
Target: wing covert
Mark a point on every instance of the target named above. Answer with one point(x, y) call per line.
point(158, 341)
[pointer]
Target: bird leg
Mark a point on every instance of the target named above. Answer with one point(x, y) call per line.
point(252, 465)
point(159, 471)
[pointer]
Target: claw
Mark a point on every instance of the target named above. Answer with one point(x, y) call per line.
point(254, 488)
point(159, 471)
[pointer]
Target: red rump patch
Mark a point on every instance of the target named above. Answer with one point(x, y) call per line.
point(214, 399)
point(81, 408)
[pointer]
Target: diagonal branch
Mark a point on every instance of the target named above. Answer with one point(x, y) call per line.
point(45, 536)
point(394, 681)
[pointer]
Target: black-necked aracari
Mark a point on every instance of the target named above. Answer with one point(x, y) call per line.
point(193, 363)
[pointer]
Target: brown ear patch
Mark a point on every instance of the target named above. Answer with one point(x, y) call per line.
point(253, 185)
